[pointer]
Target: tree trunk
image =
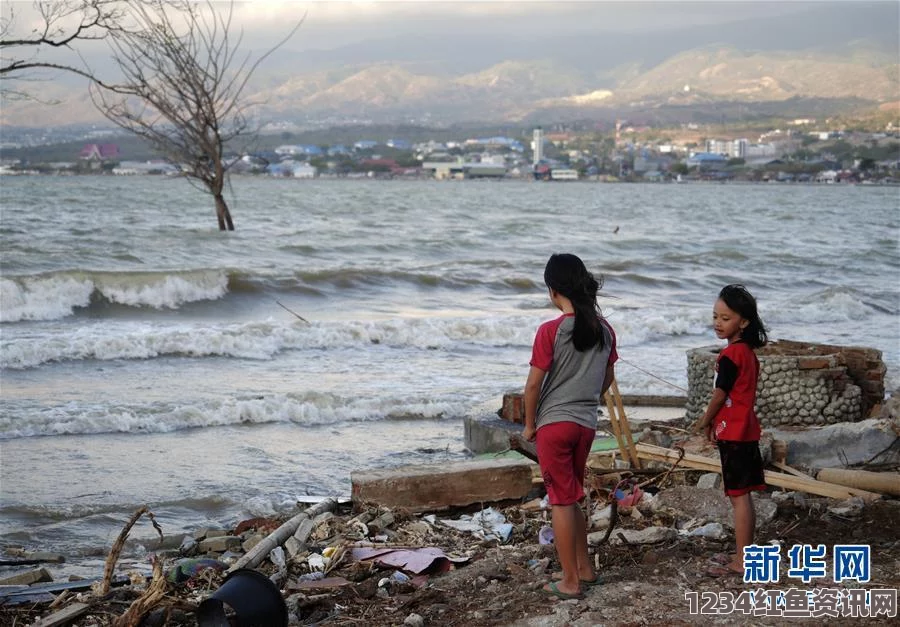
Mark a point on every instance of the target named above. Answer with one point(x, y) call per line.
point(223, 215)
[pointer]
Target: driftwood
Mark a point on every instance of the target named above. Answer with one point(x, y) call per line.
point(809, 485)
point(155, 592)
point(116, 550)
point(278, 537)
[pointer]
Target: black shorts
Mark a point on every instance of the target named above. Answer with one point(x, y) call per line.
point(742, 467)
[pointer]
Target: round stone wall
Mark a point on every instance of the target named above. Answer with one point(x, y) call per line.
point(800, 389)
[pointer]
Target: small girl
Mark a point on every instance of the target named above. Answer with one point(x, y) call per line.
point(730, 419)
point(571, 368)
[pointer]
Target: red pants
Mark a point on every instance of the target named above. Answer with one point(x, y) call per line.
point(562, 449)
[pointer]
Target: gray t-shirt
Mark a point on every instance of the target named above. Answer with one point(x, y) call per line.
point(572, 388)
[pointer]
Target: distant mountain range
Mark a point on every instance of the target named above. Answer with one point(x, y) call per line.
point(509, 79)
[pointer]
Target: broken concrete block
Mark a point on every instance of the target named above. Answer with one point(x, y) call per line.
point(710, 481)
point(39, 575)
point(842, 444)
point(426, 488)
point(219, 544)
point(650, 535)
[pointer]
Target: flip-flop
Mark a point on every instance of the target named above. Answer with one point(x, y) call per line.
point(596, 581)
point(722, 559)
point(722, 571)
point(553, 588)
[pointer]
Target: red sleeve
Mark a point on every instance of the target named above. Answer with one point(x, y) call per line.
point(613, 353)
point(544, 339)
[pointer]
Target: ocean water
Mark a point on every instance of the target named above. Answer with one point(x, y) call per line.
point(148, 358)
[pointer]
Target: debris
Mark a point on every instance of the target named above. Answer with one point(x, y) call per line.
point(812, 486)
point(414, 560)
point(27, 578)
point(280, 535)
point(488, 524)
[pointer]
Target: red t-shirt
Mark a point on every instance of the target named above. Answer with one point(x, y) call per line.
point(737, 420)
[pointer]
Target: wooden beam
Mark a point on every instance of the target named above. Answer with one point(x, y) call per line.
point(64, 616)
point(783, 480)
point(791, 471)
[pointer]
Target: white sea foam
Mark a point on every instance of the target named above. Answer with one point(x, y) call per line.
point(831, 305)
point(308, 409)
point(51, 297)
point(264, 340)
point(43, 298)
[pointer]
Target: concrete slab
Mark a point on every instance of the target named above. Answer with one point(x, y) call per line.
point(429, 488)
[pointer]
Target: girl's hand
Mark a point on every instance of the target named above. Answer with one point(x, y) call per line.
point(529, 433)
point(710, 433)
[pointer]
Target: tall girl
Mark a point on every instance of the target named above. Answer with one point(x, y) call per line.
point(730, 419)
point(571, 367)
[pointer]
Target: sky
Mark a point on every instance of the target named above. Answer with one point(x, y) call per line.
point(335, 23)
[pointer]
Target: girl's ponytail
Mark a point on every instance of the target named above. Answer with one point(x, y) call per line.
point(567, 274)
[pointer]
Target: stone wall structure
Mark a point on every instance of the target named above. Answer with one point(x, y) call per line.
point(800, 383)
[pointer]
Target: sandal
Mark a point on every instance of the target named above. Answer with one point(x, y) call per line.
point(596, 581)
point(722, 559)
point(723, 571)
point(553, 588)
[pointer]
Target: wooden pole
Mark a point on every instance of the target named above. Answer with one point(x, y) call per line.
point(278, 537)
point(884, 482)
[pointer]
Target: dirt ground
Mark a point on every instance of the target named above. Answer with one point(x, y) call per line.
point(500, 584)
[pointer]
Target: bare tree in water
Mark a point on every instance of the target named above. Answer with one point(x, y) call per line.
point(182, 87)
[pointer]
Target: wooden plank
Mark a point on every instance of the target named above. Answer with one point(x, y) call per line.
point(651, 400)
point(614, 425)
point(624, 426)
point(791, 471)
point(783, 480)
point(64, 616)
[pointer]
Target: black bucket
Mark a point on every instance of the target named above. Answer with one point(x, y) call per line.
point(256, 601)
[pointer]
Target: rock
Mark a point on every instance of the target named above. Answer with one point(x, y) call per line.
point(689, 502)
point(709, 505)
point(714, 531)
point(851, 508)
point(188, 546)
point(27, 578)
point(710, 481)
point(219, 544)
point(842, 444)
point(414, 620)
point(650, 535)
point(766, 510)
point(655, 437)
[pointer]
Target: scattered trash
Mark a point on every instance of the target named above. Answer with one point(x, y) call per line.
point(413, 560)
point(187, 569)
point(713, 530)
point(545, 535)
point(488, 524)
